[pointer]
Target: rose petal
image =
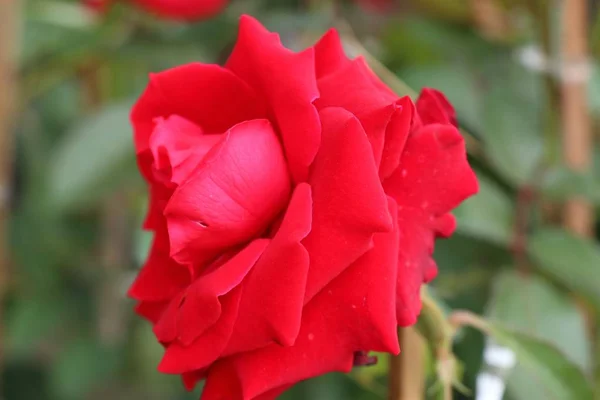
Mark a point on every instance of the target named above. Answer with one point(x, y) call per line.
point(415, 259)
point(348, 201)
point(177, 146)
point(207, 95)
point(355, 88)
point(180, 358)
point(432, 179)
point(434, 174)
point(342, 319)
point(151, 310)
point(277, 283)
point(434, 108)
point(385, 118)
point(329, 54)
point(158, 197)
point(273, 393)
point(396, 135)
point(287, 81)
point(184, 10)
point(199, 307)
point(375, 124)
point(239, 188)
point(191, 379)
point(160, 278)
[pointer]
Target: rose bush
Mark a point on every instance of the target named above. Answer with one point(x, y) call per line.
point(295, 201)
point(186, 10)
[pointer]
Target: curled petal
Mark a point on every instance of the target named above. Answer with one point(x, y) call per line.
point(432, 179)
point(151, 310)
point(434, 174)
point(191, 379)
point(160, 278)
point(434, 108)
point(158, 197)
point(287, 80)
point(396, 135)
point(184, 10)
point(348, 200)
point(209, 96)
point(385, 118)
point(355, 88)
point(329, 54)
point(334, 327)
point(177, 146)
point(199, 307)
point(237, 190)
point(277, 282)
point(181, 358)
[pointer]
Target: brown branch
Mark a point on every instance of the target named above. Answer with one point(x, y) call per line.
point(577, 129)
point(9, 39)
point(525, 197)
point(407, 371)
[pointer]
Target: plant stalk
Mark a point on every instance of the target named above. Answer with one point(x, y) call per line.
point(9, 46)
point(577, 127)
point(577, 137)
point(407, 370)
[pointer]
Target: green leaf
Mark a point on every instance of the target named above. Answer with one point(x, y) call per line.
point(512, 131)
point(92, 159)
point(466, 266)
point(30, 321)
point(82, 367)
point(147, 353)
point(488, 216)
point(570, 260)
point(530, 304)
point(69, 15)
point(594, 89)
point(562, 183)
point(456, 82)
point(554, 376)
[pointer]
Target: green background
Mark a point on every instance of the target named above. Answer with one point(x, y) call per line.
point(78, 201)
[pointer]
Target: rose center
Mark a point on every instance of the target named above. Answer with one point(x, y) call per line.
point(232, 196)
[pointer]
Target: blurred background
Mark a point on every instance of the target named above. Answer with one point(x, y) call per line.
point(524, 79)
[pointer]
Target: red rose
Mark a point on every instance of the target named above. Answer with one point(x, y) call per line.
point(186, 10)
point(295, 201)
point(183, 9)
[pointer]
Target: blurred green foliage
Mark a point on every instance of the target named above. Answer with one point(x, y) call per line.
point(74, 157)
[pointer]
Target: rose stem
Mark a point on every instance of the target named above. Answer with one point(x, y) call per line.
point(577, 129)
point(9, 45)
point(407, 371)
